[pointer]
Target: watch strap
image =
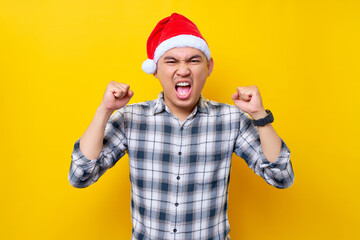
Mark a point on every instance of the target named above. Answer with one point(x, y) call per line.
point(263, 121)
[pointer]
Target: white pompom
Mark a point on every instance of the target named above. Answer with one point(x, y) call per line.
point(149, 66)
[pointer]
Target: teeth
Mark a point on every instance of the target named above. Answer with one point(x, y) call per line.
point(182, 84)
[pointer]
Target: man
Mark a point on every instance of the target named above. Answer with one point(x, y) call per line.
point(180, 145)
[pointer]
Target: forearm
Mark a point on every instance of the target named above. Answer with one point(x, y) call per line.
point(91, 142)
point(270, 142)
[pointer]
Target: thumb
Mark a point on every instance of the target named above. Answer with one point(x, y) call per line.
point(128, 96)
point(123, 101)
point(235, 96)
point(240, 104)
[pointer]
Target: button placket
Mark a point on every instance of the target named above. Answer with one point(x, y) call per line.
point(178, 178)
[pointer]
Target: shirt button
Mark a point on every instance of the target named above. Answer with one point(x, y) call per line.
point(178, 177)
point(176, 204)
point(180, 153)
point(175, 230)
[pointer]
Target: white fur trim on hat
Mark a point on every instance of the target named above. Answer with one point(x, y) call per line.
point(149, 66)
point(182, 41)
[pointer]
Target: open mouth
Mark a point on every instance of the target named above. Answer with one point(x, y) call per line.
point(183, 90)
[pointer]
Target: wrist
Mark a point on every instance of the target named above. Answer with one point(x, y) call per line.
point(258, 115)
point(104, 112)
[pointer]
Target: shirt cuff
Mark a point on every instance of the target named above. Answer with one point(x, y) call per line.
point(281, 162)
point(80, 160)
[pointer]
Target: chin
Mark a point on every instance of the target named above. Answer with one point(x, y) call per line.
point(187, 103)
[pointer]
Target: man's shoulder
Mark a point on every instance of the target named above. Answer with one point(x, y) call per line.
point(226, 111)
point(215, 107)
point(143, 105)
point(139, 107)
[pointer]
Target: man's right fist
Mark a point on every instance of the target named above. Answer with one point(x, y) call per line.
point(116, 96)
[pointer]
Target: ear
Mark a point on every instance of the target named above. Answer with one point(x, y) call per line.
point(210, 65)
point(155, 75)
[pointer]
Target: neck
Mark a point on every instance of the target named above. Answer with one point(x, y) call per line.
point(181, 115)
point(180, 112)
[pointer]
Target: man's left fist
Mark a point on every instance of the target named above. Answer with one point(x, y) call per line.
point(248, 100)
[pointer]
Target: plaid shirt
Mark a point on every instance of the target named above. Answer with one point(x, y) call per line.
point(180, 171)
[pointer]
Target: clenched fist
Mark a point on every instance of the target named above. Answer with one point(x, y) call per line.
point(248, 100)
point(116, 96)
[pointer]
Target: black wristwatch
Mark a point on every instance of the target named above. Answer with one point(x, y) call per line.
point(263, 121)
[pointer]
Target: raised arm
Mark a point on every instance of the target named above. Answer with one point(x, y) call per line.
point(269, 157)
point(248, 100)
point(104, 142)
point(116, 96)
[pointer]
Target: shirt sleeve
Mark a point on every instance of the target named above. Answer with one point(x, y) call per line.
point(278, 174)
point(83, 171)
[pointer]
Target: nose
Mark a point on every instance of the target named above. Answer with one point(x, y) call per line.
point(183, 69)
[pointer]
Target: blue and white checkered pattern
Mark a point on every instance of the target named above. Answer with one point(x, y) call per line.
point(180, 171)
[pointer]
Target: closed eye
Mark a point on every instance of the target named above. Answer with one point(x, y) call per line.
point(170, 60)
point(195, 59)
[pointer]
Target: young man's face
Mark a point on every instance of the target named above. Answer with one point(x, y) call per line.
point(182, 73)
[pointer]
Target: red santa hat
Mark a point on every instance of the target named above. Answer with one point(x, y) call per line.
point(171, 32)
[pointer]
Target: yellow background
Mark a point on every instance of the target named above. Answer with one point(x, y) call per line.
point(57, 56)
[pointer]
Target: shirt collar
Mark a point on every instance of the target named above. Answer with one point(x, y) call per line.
point(202, 105)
